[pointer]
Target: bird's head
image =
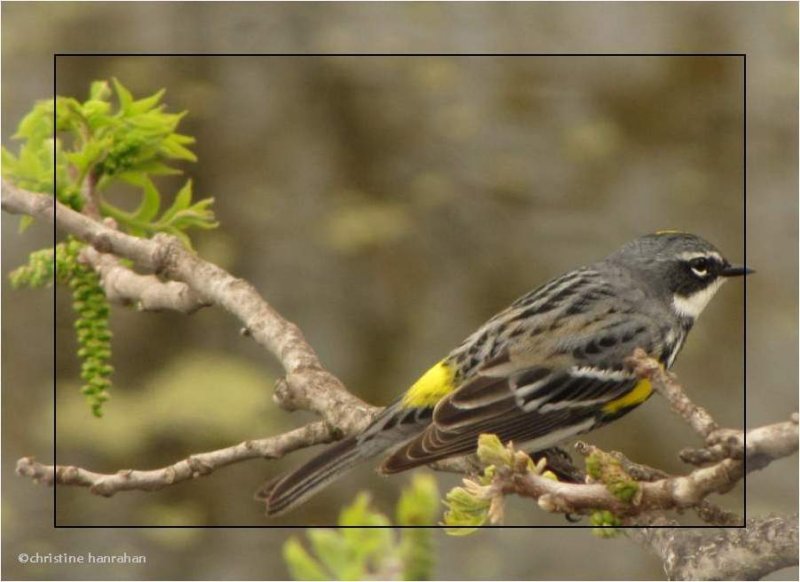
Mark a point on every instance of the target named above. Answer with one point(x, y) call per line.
point(681, 267)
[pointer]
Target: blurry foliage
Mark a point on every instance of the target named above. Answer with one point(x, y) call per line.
point(76, 151)
point(174, 514)
point(365, 225)
point(353, 553)
point(199, 400)
point(592, 141)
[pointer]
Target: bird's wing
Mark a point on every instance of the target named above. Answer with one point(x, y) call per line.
point(535, 401)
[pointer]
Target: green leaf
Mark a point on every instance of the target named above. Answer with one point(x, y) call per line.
point(359, 513)
point(38, 124)
point(96, 113)
point(419, 503)
point(491, 451)
point(100, 90)
point(335, 554)
point(171, 148)
point(466, 511)
point(8, 159)
point(368, 546)
point(124, 96)
point(196, 216)
point(301, 565)
point(366, 553)
point(32, 169)
point(182, 139)
point(112, 137)
point(182, 201)
point(146, 104)
point(69, 114)
point(151, 200)
point(88, 155)
point(152, 167)
point(121, 216)
point(416, 548)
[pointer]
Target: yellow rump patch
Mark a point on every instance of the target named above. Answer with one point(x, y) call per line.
point(434, 385)
point(639, 394)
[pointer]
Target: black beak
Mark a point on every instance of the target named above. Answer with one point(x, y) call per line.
point(736, 271)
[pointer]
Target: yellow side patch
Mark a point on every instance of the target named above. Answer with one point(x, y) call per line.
point(639, 394)
point(434, 385)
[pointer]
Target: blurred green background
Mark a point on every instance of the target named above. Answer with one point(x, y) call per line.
point(389, 205)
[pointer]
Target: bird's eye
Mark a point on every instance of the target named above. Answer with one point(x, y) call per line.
point(700, 266)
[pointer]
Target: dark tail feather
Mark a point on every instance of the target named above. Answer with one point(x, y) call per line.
point(286, 492)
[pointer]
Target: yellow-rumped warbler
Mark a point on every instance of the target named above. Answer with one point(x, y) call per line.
point(549, 367)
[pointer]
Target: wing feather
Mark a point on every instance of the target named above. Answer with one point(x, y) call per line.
point(563, 404)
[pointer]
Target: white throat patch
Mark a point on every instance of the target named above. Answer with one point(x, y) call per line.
point(693, 305)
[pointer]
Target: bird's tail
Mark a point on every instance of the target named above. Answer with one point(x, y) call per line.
point(286, 492)
point(393, 426)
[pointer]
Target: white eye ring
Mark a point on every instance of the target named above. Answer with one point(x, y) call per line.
point(701, 272)
point(700, 266)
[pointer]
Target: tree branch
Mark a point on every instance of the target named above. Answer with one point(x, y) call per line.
point(660, 491)
point(197, 465)
point(310, 386)
point(147, 292)
point(705, 510)
point(193, 283)
point(750, 553)
point(766, 444)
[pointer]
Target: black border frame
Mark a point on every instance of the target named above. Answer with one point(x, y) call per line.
point(743, 57)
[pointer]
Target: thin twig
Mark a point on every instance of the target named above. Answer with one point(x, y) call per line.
point(193, 467)
point(666, 384)
point(91, 198)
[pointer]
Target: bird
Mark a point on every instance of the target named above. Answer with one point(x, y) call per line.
point(549, 367)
